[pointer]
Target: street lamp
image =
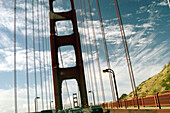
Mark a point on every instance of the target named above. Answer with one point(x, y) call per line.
point(93, 96)
point(111, 71)
point(50, 104)
point(35, 100)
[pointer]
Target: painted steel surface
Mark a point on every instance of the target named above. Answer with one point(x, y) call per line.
point(60, 74)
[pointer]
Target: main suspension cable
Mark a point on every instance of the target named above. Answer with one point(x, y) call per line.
point(97, 55)
point(15, 75)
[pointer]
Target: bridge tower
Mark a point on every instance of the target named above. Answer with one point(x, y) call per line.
point(76, 72)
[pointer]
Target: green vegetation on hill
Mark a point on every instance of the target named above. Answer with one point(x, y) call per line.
point(156, 83)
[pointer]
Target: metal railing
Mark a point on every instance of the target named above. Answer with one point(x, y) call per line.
point(157, 99)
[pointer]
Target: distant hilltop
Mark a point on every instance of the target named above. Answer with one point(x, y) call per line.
point(156, 83)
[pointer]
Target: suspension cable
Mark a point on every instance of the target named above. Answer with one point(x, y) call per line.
point(88, 80)
point(48, 65)
point(126, 51)
point(50, 72)
point(52, 87)
point(87, 50)
point(26, 49)
point(15, 75)
point(39, 47)
point(42, 22)
point(105, 48)
point(46, 24)
point(35, 76)
point(96, 49)
point(84, 49)
point(124, 42)
point(91, 52)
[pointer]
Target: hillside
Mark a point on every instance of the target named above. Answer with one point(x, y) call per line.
point(156, 83)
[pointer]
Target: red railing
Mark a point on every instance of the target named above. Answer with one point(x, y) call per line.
point(157, 99)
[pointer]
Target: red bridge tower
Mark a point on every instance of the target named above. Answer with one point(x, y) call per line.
point(60, 74)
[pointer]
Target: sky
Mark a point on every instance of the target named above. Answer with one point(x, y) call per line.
point(146, 24)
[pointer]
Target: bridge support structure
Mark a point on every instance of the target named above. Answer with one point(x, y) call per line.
point(76, 72)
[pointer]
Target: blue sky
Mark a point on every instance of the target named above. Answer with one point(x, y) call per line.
point(146, 26)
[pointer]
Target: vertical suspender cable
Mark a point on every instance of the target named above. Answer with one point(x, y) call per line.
point(49, 69)
point(15, 75)
point(45, 57)
point(126, 51)
point(43, 51)
point(48, 76)
point(46, 40)
point(87, 48)
point(125, 48)
point(91, 52)
point(52, 93)
point(42, 98)
point(88, 80)
point(42, 22)
point(26, 49)
point(84, 49)
point(50, 73)
point(97, 55)
point(35, 76)
point(105, 48)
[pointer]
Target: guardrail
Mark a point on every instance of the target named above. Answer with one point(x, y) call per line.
point(157, 99)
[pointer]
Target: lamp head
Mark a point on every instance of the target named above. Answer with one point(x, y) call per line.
point(105, 71)
point(37, 97)
point(89, 91)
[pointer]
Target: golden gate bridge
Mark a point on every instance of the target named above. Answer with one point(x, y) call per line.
point(77, 72)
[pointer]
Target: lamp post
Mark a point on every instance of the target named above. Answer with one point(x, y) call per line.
point(35, 100)
point(50, 104)
point(111, 71)
point(93, 96)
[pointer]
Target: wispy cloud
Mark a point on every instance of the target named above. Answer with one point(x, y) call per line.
point(7, 59)
point(148, 52)
point(8, 99)
point(68, 58)
point(163, 3)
